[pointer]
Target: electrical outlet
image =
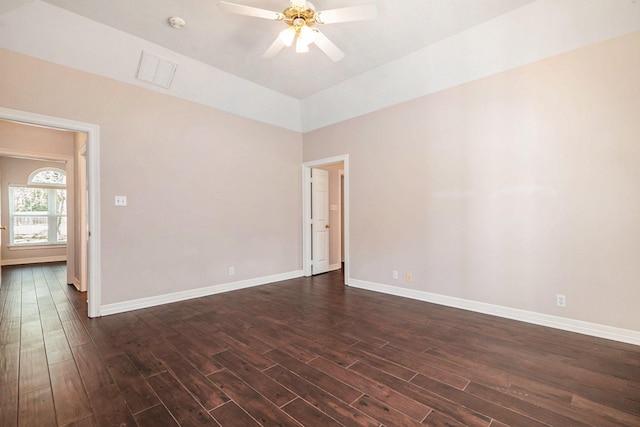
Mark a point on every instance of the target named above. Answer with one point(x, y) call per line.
point(409, 277)
point(395, 274)
point(561, 300)
point(121, 201)
point(232, 271)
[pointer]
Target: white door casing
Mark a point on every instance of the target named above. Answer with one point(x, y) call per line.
point(319, 221)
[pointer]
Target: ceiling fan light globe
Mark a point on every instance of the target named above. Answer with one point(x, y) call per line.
point(307, 35)
point(287, 35)
point(301, 46)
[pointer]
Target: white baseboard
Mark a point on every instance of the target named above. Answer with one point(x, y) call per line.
point(581, 327)
point(38, 260)
point(76, 283)
point(121, 307)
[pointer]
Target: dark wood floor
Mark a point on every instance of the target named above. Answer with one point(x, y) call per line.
point(308, 352)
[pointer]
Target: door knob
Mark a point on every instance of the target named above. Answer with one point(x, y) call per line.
point(326, 226)
point(2, 227)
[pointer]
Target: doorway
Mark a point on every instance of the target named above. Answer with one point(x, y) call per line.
point(92, 133)
point(339, 208)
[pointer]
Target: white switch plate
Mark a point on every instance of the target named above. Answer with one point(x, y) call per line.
point(121, 200)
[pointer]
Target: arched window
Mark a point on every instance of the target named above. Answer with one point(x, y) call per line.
point(48, 176)
point(38, 210)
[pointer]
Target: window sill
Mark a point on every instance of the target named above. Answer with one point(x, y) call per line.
point(37, 246)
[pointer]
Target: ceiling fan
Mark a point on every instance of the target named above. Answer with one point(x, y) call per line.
point(300, 17)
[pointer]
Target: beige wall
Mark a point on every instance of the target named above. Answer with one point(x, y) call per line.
point(507, 190)
point(206, 190)
point(34, 139)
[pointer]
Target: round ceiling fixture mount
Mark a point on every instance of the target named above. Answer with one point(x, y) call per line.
point(177, 22)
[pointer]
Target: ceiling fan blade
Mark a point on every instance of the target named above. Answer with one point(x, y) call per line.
point(346, 14)
point(327, 46)
point(274, 49)
point(241, 9)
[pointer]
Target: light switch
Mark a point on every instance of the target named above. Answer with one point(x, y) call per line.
point(121, 200)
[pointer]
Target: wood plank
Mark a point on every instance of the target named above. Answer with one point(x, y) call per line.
point(13, 302)
point(389, 396)
point(30, 310)
point(31, 331)
point(57, 346)
point(260, 382)
point(92, 367)
point(156, 416)
point(50, 321)
point(428, 398)
point(329, 384)
point(244, 351)
point(9, 404)
point(196, 355)
point(9, 363)
point(157, 325)
point(89, 421)
point(604, 413)
point(308, 415)
point(384, 413)
point(145, 361)
point(76, 333)
point(33, 367)
point(244, 335)
point(323, 401)
point(109, 408)
point(70, 399)
point(466, 367)
point(542, 414)
point(66, 310)
point(490, 409)
point(207, 394)
point(416, 361)
point(179, 402)
point(256, 405)
point(36, 408)
point(436, 419)
point(230, 414)
point(9, 330)
point(105, 341)
point(135, 390)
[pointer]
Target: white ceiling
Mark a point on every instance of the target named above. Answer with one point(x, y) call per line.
point(413, 48)
point(235, 43)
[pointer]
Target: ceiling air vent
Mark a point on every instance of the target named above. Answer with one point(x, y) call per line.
point(156, 70)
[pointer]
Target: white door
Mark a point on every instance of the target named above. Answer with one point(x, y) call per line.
point(81, 182)
point(319, 221)
point(2, 228)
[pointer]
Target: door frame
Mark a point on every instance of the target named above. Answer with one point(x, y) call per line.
point(93, 186)
point(306, 211)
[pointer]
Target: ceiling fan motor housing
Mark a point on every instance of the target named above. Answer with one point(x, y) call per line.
point(298, 16)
